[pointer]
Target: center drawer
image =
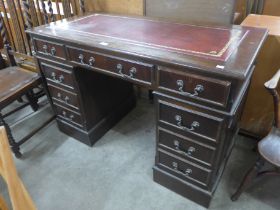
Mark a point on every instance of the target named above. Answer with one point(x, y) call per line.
point(190, 121)
point(131, 70)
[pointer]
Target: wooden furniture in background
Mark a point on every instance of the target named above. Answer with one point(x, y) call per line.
point(19, 196)
point(269, 147)
point(16, 82)
point(3, 204)
point(271, 7)
point(21, 15)
point(132, 7)
point(219, 12)
point(199, 87)
point(258, 112)
point(255, 6)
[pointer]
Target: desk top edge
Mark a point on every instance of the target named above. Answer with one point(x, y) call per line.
point(52, 31)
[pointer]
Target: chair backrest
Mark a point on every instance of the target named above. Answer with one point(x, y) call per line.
point(19, 196)
point(203, 12)
point(7, 48)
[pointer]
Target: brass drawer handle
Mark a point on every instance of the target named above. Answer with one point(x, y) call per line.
point(90, 62)
point(186, 173)
point(179, 123)
point(189, 151)
point(132, 72)
point(70, 118)
point(120, 68)
point(45, 48)
point(60, 78)
point(66, 98)
point(198, 89)
point(81, 58)
point(53, 50)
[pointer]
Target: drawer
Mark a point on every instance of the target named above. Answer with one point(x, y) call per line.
point(59, 76)
point(183, 169)
point(190, 121)
point(49, 48)
point(68, 115)
point(205, 89)
point(186, 147)
point(136, 71)
point(65, 97)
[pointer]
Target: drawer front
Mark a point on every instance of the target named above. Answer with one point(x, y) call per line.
point(50, 49)
point(186, 147)
point(131, 70)
point(65, 97)
point(184, 170)
point(59, 76)
point(68, 115)
point(201, 88)
point(191, 121)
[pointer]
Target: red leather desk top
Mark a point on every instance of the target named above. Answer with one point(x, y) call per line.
point(214, 43)
point(221, 50)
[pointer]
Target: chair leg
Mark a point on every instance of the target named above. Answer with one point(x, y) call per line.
point(32, 100)
point(13, 144)
point(247, 180)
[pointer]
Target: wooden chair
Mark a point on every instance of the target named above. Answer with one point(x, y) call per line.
point(19, 196)
point(269, 147)
point(15, 82)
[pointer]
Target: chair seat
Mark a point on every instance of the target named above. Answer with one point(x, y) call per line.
point(14, 81)
point(269, 147)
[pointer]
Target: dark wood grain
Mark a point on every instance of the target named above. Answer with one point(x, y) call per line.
point(190, 85)
point(186, 147)
point(183, 169)
point(61, 96)
point(199, 75)
point(61, 77)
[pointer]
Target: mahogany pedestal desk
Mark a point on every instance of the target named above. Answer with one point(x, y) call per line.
point(257, 118)
point(200, 77)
